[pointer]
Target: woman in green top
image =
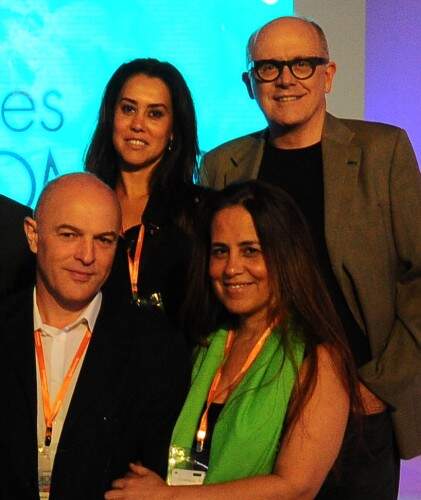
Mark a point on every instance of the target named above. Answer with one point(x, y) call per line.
point(272, 389)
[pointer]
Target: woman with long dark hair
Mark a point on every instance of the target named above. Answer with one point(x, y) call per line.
point(145, 147)
point(273, 382)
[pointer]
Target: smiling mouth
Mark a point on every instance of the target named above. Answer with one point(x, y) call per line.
point(236, 286)
point(289, 98)
point(136, 142)
point(80, 275)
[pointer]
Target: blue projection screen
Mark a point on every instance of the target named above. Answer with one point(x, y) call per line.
point(56, 57)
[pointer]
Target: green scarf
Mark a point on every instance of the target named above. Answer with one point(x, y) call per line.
point(245, 440)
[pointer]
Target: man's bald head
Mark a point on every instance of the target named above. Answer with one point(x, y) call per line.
point(72, 185)
point(271, 26)
point(74, 236)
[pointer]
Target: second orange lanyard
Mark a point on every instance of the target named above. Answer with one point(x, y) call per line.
point(213, 394)
point(134, 263)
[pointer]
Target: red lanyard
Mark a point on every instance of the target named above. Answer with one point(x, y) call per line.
point(213, 394)
point(134, 264)
point(51, 412)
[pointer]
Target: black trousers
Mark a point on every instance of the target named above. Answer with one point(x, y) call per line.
point(368, 464)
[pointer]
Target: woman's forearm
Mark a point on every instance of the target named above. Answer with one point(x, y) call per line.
point(255, 488)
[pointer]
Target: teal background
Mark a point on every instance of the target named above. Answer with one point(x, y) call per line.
point(56, 57)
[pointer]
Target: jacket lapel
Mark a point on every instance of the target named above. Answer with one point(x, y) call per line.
point(246, 159)
point(341, 165)
point(106, 360)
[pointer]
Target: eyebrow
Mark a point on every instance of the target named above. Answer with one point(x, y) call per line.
point(69, 227)
point(295, 58)
point(114, 234)
point(79, 231)
point(249, 242)
point(150, 105)
point(128, 99)
point(242, 243)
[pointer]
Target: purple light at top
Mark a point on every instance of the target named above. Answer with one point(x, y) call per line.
point(393, 65)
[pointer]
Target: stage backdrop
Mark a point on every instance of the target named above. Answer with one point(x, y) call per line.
point(56, 57)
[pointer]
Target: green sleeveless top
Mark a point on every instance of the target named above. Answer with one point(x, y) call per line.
point(245, 440)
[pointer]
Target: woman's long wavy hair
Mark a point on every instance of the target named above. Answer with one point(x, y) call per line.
point(178, 166)
point(296, 283)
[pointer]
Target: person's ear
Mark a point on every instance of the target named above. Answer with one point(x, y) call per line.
point(247, 83)
point(330, 71)
point(30, 227)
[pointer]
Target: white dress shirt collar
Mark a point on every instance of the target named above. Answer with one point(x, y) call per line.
point(88, 316)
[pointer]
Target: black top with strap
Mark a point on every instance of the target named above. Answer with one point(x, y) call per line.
point(169, 234)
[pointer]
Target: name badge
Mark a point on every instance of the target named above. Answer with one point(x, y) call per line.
point(186, 477)
point(44, 472)
point(184, 469)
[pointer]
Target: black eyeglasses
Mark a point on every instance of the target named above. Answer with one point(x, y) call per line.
point(268, 70)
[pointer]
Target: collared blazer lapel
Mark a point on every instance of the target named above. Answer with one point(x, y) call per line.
point(341, 165)
point(241, 163)
point(102, 376)
point(247, 159)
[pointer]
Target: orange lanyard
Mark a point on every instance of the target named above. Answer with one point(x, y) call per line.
point(134, 264)
point(50, 413)
point(213, 394)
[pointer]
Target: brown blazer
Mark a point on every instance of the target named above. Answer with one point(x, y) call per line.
point(372, 188)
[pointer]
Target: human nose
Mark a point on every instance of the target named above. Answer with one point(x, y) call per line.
point(138, 122)
point(85, 251)
point(233, 265)
point(285, 76)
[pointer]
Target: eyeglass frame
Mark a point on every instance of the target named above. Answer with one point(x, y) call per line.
point(279, 65)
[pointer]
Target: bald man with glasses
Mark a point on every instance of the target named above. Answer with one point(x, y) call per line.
point(359, 187)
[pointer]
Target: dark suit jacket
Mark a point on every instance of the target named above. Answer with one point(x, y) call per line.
point(131, 385)
point(372, 190)
point(17, 263)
